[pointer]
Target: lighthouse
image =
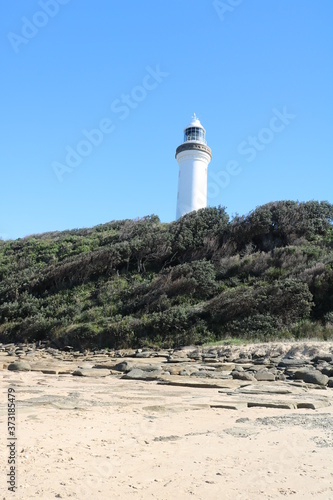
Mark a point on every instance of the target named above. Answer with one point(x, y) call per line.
point(193, 157)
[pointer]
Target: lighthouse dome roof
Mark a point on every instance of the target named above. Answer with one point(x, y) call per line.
point(195, 122)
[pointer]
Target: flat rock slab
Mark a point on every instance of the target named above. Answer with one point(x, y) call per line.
point(267, 404)
point(287, 404)
point(275, 388)
point(178, 360)
point(91, 372)
point(228, 405)
point(208, 383)
point(51, 368)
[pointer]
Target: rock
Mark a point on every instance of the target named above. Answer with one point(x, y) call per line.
point(313, 405)
point(222, 375)
point(200, 383)
point(86, 366)
point(176, 370)
point(196, 355)
point(162, 354)
point(31, 354)
point(91, 372)
point(275, 388)
point(20, 366)
point(172, 359)
point(68, 348)
point(311, 377)
point(124, 366)
point(144, 354)
point(227, 367)
point(265, 376)
point(322, 357)
point(230, 406)
point(290, 362)
point(330, 382)
point(138, 374)
point(261, 361)
point(206, 368)
point(19, 352)
point(202, 374)
point(187, 372)
point(238, 368)
point(209, 357)
point(242, 376)
point(243, 360)
point(267, 404)
point(326, 371)
point(148, 367)
point(180, 354)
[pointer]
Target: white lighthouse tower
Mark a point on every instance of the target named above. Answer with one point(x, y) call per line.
point(193, 157)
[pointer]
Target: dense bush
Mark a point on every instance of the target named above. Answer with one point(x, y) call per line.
point(141, 282)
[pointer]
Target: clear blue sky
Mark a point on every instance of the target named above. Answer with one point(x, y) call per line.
point(235, 66)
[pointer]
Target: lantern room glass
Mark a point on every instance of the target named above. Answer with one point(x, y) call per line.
point(194, 134)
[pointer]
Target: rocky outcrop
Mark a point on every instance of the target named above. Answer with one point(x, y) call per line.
point(310, 362)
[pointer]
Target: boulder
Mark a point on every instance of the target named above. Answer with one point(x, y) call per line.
point(265, 376)
point(237, 368)
point(109, 366)
point(326, 370)
point(138, 374)
point(144, 354)
point(311, 377)
point(196, 355)
point(292, 362)
point(322, 357)
point(176, 370)
point(242, 376)
point(19, 366)
point(124, 366)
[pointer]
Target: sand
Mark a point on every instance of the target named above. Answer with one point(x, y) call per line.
point(108, 438)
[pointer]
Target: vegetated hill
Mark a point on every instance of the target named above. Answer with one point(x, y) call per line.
point(128, 283)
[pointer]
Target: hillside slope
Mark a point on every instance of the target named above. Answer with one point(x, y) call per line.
point(128, 283)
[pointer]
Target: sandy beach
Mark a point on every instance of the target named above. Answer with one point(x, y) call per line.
point(107, 437)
